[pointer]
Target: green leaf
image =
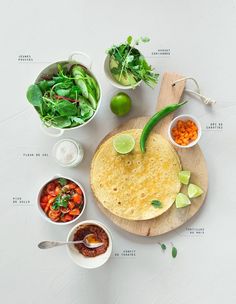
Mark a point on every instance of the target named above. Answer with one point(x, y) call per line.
point(174, 252)
point(66, 108)
point(62, 92)
point(58, 79)
point(86, 110)
point(61, 201)
point(45, 85)
point(163, 246)
point(129, 39)
point(34, 95)
point(76, 121)
point(61, 122)
point(156, 204)
point(129, 58)
point(62, 181)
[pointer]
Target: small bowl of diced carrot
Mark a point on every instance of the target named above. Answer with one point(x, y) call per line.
point(61, 200)
point(184, 131)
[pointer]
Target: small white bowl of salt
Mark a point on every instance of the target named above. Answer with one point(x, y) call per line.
point(68, 152)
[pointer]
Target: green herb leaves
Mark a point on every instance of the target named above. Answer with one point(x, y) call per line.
point(62, 181)
point(173, 249)
point(34, 95)
point(68, 99)
point(174, 252)
point(163, 246)
point(156, 204)
point(61, 201)
point(131, 64)
point(66, 108)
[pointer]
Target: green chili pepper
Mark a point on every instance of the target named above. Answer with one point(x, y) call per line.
point(155, 119)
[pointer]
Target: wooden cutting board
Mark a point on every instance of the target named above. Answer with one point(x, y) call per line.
point(192, 159)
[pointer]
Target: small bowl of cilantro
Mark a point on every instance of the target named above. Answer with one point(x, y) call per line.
point(125, 67)
point(66, 95)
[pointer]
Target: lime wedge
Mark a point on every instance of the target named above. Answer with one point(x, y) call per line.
point(182, 200)
point(194, 191)
point(123, 143)
point(184, 177)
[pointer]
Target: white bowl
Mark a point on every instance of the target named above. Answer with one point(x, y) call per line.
point(44, 215)
point(112, 80)
point(88, 262)
point(185, 117)
point(51, 70)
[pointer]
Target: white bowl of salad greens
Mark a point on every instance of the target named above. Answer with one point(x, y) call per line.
point(125, 67)
point(66, 95)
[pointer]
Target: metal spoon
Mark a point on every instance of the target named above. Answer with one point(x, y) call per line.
point(85, 241)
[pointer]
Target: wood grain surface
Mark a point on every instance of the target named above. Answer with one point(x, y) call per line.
point(192, 159)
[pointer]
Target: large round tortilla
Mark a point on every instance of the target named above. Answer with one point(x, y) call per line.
point(127, 184)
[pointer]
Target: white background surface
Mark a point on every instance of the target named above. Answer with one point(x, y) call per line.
point(201, 36)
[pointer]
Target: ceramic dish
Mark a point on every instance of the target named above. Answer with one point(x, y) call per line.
point(184, 117)
point(112, 79)
point(88, 262)
point(41, 210)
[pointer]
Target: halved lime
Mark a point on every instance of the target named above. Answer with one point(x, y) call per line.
point(184, 177)
point(182, 200)
point(194, 191)
point(123, 143)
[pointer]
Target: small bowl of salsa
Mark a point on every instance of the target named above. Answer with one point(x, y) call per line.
point(61, 201)
point(88, 257)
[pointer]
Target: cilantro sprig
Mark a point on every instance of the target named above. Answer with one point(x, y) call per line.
point(131, 61)
point(156, 204)
point(61, 201)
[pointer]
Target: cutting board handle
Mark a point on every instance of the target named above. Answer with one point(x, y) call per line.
point(168, 94)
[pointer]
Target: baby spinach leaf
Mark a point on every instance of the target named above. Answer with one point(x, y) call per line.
point(156, 204)
point(66, 108)
point(34, 95)
point(61, 122)
point(62, 92)
point(58, 79)
point(75, 92)
point(76, 121)
point(45, 85)
point(86, 109)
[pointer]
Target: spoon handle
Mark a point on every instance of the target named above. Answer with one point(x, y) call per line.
point(51, 244)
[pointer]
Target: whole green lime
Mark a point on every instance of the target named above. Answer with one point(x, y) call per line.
point(120, 104)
